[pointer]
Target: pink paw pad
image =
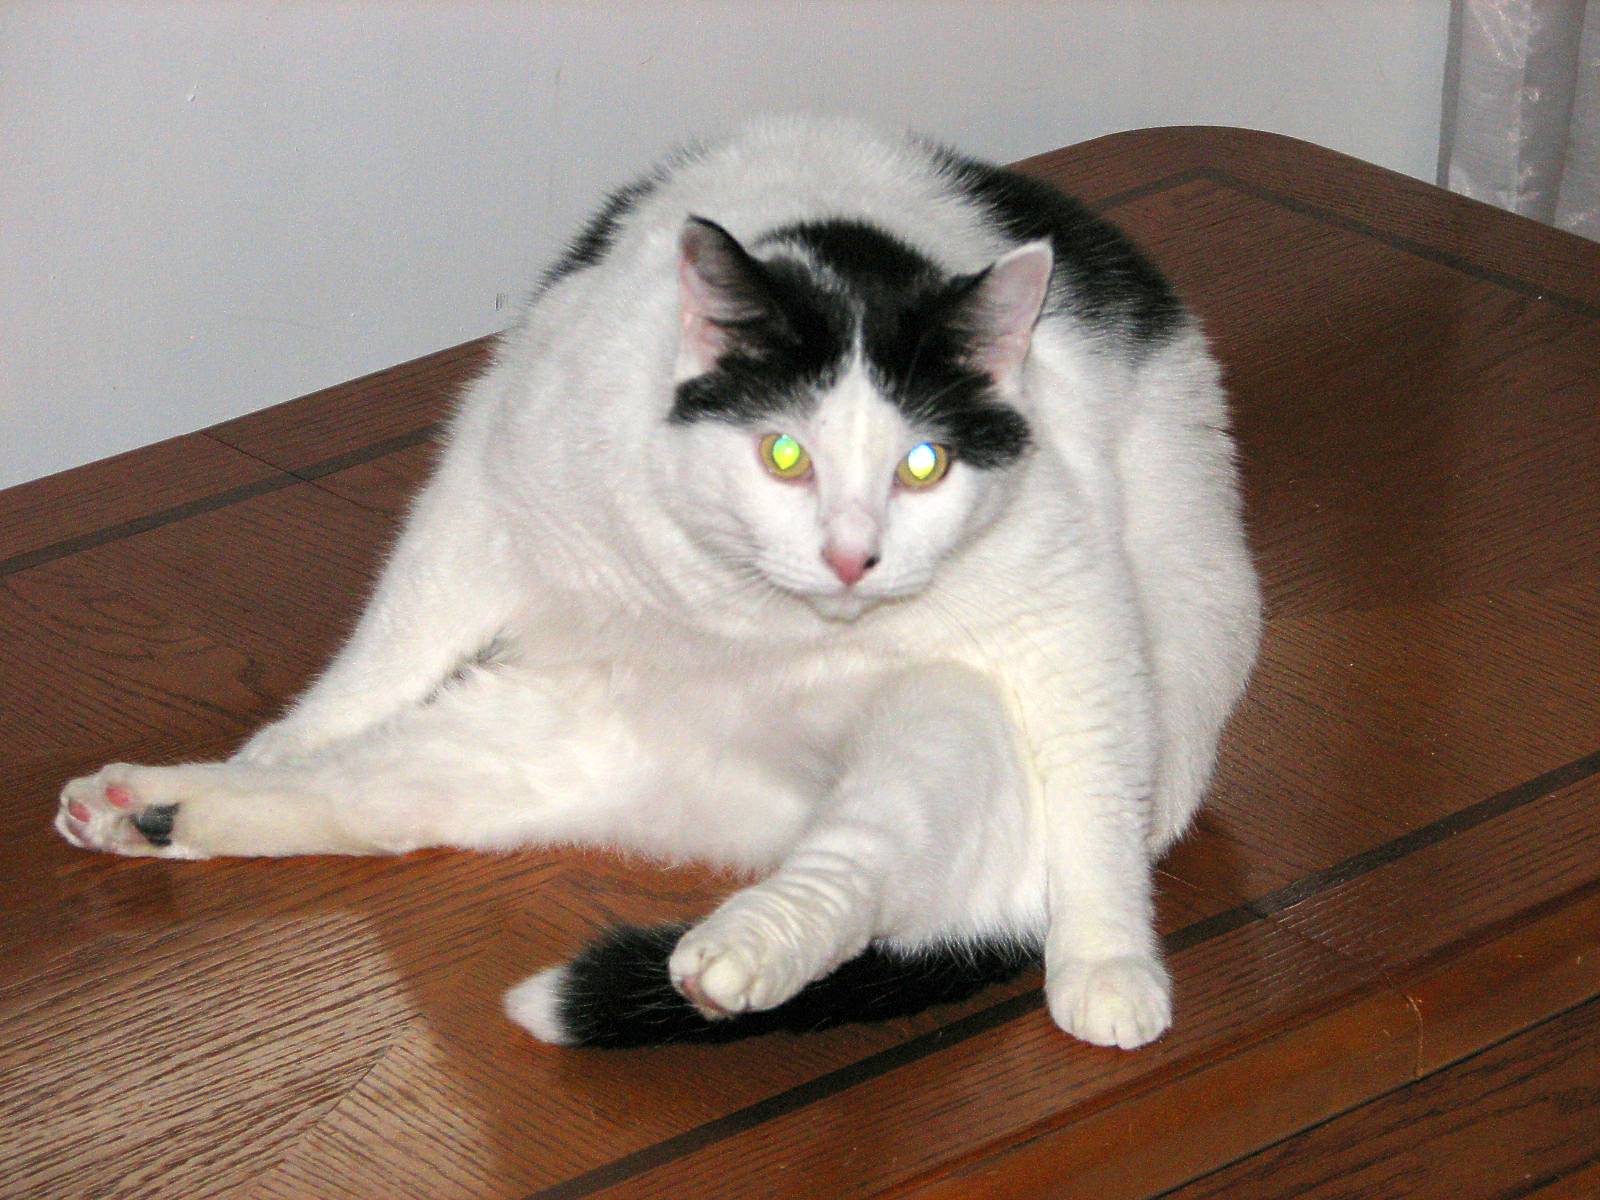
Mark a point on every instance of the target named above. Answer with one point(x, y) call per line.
point(78, 812)
point(117, 797)
point(703, 1004)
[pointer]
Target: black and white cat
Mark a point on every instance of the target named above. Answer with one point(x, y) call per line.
point(843, 509)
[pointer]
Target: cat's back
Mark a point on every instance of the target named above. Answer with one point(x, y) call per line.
point(775, 172)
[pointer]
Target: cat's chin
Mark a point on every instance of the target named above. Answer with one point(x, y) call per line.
point(840, 606)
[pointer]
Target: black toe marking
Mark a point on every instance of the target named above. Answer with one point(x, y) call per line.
point(156, 823)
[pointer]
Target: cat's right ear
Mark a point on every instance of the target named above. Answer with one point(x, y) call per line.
point(1001, 305)
point(720, 290)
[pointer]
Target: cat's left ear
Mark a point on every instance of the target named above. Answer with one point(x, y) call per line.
point(1001, 307)
point(720, 290)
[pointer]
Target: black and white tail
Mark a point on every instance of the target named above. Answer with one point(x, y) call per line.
point(617, 992)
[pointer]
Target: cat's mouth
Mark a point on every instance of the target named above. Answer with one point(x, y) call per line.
point(835, 603)
point(851, 603)
point(838, 604)
point(832, 603)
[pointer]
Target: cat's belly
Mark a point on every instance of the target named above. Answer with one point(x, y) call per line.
point(752, 738)
point(726, 764)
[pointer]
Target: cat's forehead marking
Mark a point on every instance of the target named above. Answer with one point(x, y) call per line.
point(855, 411)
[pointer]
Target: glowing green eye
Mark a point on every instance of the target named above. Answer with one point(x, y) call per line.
point(785, 457)
point(924, 466)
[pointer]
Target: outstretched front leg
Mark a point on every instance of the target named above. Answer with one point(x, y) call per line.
point(499, 758)
point(201, 810)
point(493, 761)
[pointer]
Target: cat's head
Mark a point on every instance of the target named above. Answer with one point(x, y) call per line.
point(845, 415)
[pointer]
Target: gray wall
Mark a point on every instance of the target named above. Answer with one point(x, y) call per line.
point(206, 209)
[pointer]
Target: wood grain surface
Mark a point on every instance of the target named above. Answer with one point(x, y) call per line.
point(1385, 932)
point(1519, 1116)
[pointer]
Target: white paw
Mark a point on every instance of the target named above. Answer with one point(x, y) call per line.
point(115, 810)
point(729, 971)
point(755, 952)
point(535, 1004)
point(1123, 1001)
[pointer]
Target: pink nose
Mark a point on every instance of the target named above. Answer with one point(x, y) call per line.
point(848, 566)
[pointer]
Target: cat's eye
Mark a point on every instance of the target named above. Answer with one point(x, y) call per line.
point(785, 457)
point(923, 466)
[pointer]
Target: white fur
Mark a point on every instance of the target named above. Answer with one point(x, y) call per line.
point(992, 734)
point(534, 1005)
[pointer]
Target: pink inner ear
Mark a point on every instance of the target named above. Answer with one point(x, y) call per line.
point(702, 339)
point(714, 285)
point(1008, 303)
point(698, 293)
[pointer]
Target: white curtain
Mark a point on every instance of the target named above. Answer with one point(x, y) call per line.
point(1521, 125)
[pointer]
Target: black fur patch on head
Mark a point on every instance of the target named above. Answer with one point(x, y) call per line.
point(1104, 280)
point(915, 331)
point(852, 281)
point(873, 264)
point(789, 348)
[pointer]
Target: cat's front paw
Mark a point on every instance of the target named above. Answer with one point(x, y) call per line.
point(111, 812)
point(756, 951)
point(724, 970)
point(1124, 1001)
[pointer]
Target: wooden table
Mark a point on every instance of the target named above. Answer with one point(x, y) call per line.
point(1384, 933)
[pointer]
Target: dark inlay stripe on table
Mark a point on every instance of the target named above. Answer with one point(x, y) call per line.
point(127, 529)
point(1398, 241)
point(377, 450)
point(1140, 191)
point(1428, 835)
point(1531, 1185)
point(206, 504)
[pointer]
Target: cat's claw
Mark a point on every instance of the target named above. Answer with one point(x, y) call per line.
point(107, 811)
point(1122, 1002)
